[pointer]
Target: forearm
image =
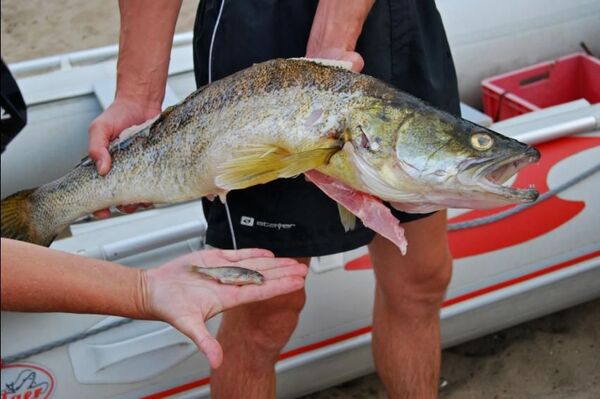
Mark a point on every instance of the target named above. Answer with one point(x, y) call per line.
point(38, 279)
point(145, 42)
point(338, 24)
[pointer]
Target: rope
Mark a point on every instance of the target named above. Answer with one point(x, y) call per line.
point(62, 342)
point(520, 208)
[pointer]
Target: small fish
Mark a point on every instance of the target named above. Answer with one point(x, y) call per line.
point(231, 275)
point(358, 139)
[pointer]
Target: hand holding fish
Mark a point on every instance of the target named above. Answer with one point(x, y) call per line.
point(178, 295)
point(335, 31)
point(338, 54)
point(107, 127)
point(120, 115)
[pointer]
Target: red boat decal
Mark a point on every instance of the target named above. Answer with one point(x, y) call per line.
point(531, 223)
point(524, 226)
point(364, 330)
point(521, 227)
point(181, 388)
point(26, 381)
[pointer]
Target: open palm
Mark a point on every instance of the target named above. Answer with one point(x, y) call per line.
point(184, 299)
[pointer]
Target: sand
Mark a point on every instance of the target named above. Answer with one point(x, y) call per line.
point(554, 357)
point(38, 28)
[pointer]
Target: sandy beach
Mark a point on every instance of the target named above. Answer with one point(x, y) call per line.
point(557, 356)
point(39, 28)
point(554, 357)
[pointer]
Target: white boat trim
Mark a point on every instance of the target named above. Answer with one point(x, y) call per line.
point(362, 337)
point(69, 60)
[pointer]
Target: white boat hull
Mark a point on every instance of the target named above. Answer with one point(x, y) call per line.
point(539, 261)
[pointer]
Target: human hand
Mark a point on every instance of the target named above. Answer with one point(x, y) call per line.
point(336, 53)
point(335, 31)
point(121, 114)
point(175, 294)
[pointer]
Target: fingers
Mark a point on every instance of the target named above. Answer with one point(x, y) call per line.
point(250, 258)
point(102, 214)
point(129, 208)
point(206, 343)
point(358, 63)
point(270, 289)
point(338, 53)
point(263, 264)
point(246, 253)
point(296, 270)
point(99, 139)
point(212, 349)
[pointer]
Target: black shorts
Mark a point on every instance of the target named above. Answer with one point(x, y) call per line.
point(403, 42)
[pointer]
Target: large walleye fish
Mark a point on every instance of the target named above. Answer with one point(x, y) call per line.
point(357, 138)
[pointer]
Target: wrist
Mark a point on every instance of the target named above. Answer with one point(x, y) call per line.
point(142, 86)
point(326, 38)
point(140, 106)
point(139, 98)
point(141, 296)
point(337, 25)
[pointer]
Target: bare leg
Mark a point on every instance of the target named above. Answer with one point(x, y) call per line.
point(408, 296)
point(252, 337)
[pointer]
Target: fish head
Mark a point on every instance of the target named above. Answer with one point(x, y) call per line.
point(423, 159)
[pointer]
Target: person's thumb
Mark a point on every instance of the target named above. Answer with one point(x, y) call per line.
point(196, 330)
point(358, 63)
point(98, 148)
point(103, 161)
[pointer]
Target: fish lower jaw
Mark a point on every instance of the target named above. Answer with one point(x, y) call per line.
point(510, 194)
point(493, 178)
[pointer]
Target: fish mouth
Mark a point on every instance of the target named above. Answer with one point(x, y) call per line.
point(493, 176)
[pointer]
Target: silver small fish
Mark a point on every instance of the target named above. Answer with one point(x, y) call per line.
point(230, 275)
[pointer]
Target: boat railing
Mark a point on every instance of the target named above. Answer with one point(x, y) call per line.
point(68, 60)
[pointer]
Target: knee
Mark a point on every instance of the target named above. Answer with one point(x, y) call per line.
point(430, 276)
point(265, 326)
point(421, 279)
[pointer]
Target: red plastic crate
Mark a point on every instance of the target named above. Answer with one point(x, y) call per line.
point(542, 85)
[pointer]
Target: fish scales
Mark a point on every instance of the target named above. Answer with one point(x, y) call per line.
point(278, 119)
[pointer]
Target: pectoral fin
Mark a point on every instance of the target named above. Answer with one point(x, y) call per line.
point(262, 163)
point(373, 213)
point(347, 218)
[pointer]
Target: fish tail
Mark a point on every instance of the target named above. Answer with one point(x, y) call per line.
point(17, 219)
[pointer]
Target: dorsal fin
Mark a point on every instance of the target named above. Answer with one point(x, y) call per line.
point(331, 63)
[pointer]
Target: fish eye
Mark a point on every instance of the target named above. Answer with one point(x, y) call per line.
point(482, 141)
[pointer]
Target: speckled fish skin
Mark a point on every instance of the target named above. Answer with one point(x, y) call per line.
point(230, 275)
point(175, 158)
point(292, 104)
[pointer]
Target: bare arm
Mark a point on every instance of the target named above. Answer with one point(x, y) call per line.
point(38, 279)
point(336, 28)
point(145, 41)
